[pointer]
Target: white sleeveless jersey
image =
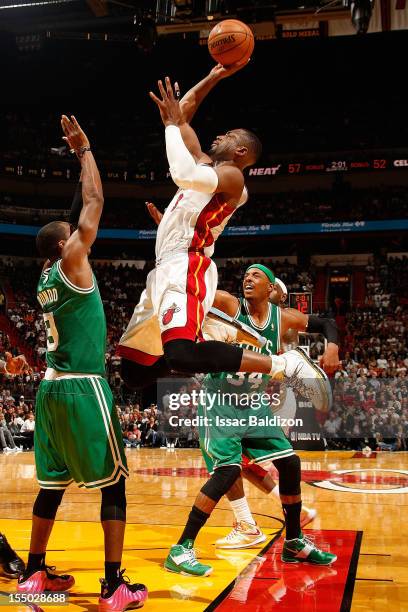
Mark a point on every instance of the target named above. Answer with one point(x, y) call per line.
point(193, 221)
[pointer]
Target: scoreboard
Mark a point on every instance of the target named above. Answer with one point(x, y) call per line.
point(301, 302)
point(357, 163)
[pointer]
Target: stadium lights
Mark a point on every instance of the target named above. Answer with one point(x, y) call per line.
point(146, 31)
point(361, 11)
point(33, 4)
point(212, 9)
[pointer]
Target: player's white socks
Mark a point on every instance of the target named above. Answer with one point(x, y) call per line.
point(242, 511)
point(278, 366)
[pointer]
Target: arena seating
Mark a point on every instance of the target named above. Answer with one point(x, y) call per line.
point(338, 204)
point(370, 392)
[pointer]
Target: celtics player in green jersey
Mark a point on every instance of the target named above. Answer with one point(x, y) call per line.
point(245, 533)
point(77, 434)
point(232, 426)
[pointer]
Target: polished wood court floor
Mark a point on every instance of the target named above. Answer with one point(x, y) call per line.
point(352, 494)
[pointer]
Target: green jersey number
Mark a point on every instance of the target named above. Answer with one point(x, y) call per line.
point(254, 379)
point(52, 332)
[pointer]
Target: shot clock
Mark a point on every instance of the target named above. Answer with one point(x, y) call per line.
point(301, 302)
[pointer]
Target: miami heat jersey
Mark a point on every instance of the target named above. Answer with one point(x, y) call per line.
point(193, 221)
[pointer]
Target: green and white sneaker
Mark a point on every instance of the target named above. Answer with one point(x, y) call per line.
point(182, 560)
point(302, 550)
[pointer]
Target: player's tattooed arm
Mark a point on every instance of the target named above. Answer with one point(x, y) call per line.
point(75, 252)
point(226, 302)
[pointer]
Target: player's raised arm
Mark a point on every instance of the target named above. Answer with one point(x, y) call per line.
point(194, 96)
point(185, 172)
point(190, 102)
point(76, 249)
point(294, 319)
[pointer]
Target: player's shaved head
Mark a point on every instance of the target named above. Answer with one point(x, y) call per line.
point(251, 141)
point(49, 237)
point(240, 145)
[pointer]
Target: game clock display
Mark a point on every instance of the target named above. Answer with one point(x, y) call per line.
point(301, 301)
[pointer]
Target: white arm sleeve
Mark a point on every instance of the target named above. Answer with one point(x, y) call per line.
point(183, 168)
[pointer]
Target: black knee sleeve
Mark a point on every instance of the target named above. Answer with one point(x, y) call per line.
point(221, 482)
point(47, 503)
point(113, 505)
point(212, 356)
point(137, 376)
point(289, 475)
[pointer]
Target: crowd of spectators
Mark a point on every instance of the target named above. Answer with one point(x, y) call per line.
point(385, 279)
point(370, 391)
point(341, 203)
point(17, 420)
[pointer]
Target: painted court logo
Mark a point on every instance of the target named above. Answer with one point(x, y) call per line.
point(375, 481)
point(169, 313)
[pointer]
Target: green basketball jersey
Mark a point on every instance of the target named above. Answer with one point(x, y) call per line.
point(243, 382)
point(74, 321)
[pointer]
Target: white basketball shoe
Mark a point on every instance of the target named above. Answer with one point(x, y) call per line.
point(307, 378)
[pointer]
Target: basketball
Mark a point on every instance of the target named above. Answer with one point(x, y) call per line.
point(231, 42)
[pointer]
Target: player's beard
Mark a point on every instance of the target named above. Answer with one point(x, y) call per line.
point(219, 153)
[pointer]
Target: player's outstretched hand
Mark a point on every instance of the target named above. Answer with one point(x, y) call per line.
point(329, 361)
point(168, 105)
point(16, 365)
point(154, 212)
point(221, 72)
point(75, 137)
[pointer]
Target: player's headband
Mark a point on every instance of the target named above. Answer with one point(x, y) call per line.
point(282, 286)
point(264, 269)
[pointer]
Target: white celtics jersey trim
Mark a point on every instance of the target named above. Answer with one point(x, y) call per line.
point(253, 324)
point(54, 484)
point(107, 420)
point(71, 285)
point(278, 331)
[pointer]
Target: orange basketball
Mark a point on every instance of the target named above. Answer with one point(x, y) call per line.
point(231, 42)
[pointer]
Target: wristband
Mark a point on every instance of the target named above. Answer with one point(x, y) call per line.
point(80, 152)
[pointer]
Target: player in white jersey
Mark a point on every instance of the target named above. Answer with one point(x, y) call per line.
point(165, 332)
point(181, 288)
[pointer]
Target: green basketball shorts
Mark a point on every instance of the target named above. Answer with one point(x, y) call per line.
point(77, 434)
point(228, 434)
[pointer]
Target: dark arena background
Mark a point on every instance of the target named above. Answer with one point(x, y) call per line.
point(327, 212)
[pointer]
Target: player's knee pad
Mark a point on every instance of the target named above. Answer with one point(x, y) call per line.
point(289, 475)
point(113, 505)
point(137, 376)
point(47, 503)
point(211, 356)
point(221, 482)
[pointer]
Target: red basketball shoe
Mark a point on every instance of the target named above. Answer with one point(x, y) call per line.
point(43, 580)
point(124, 596)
